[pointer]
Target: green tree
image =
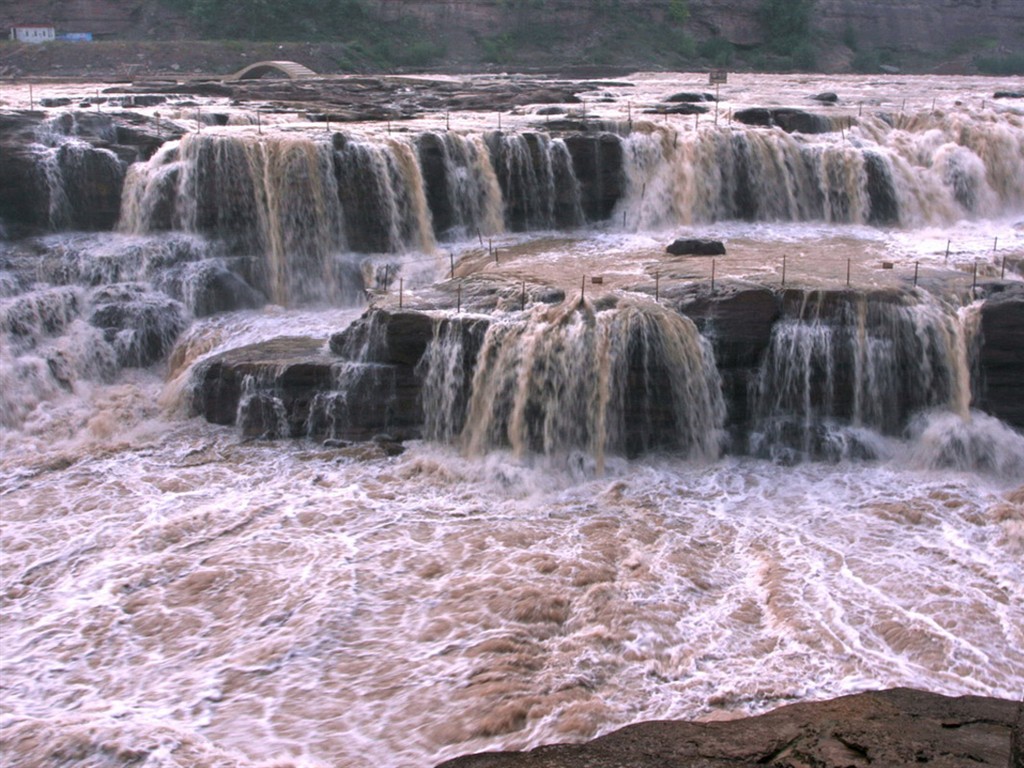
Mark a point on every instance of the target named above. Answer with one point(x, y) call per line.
point(786, 24)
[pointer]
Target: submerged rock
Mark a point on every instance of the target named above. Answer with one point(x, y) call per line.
point(893, 728)
point(696, 247)
point(788, 119)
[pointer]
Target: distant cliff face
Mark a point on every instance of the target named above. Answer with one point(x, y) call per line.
point(937, 30)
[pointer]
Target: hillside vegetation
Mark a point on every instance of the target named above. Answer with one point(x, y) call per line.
point(556, 35)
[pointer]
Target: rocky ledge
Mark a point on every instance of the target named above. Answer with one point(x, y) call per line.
point(893, 728)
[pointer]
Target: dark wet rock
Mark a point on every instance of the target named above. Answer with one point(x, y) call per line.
point(696, 247)
point(739, 325)
point(689, 96)
point(142, 326)
point(551, 111)
point(677, 109)
point(1008, 95)
point(826, 97)
point(788, 119)
point(1001, 357)
point(68, 172)
point(897, 728)
point(282, 377)
point(597, 163)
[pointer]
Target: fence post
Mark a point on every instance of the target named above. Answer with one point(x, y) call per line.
point(783, 269)
point(848, 272)
point(917, 265)
point(974, 281)
point(712, 275)
point(1002, 269)
point(583, 289)
point(451, 258)
point(401, 291)
point(522, 298)
point(947, 249)
point(458, 306)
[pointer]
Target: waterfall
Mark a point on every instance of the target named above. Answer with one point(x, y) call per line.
point(842, 367)
point(560, 379)
point(882, 171)
point(293, 205)
point(461, 186)
point(537, 179)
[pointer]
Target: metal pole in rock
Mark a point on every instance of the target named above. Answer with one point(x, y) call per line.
point(451, 258)
point(522, 298)
point(947, 249)
point(848, 272)
point(259, 123)
point(974, 281)
point(199, 122)
point(696, 121)
point(583, 288)
point(712, 275)
point(783, 269)
point(995, 245)
point(31, 98)
point(1002, 269)
point(447, 124)
point(917, 266)
point(499, 121)
point(458, 306)
point(401, 291)
point(97, 99)
point(657, 286)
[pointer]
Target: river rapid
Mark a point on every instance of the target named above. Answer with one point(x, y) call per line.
point(177, 594)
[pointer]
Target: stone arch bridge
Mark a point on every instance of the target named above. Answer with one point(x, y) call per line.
point(288, 69)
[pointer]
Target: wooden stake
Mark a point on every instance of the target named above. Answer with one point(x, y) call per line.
point(401, 291)
point(458, 306)
point(783, 269)
point(657, 286)
point(522, 298)
point(917, 266)
point(451, 258)
point(712, 275)
point(974, 282)
point(583, 289)
point(848, 272)
point(947, 249)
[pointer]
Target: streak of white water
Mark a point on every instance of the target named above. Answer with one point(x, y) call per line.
point(173, 592)
point(175, 595)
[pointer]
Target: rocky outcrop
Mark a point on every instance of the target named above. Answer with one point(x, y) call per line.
point(269, 386)
point(1001, 358)
point(895, 728)
point(68, 172)
point(684, 246)
point(796, 369)
point(788, 119)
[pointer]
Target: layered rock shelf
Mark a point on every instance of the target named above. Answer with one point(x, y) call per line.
point(378, 363)
point(893, 728)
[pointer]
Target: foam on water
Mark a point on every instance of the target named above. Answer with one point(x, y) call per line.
point(196, 599)
point(177, 595)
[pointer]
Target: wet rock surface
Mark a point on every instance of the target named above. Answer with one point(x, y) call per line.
point(893, 728)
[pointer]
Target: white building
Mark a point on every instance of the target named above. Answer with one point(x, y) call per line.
point(33, 33)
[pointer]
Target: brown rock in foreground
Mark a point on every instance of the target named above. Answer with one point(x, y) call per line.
point(893, 728)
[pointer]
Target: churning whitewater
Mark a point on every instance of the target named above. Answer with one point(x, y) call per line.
point(603, 511)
